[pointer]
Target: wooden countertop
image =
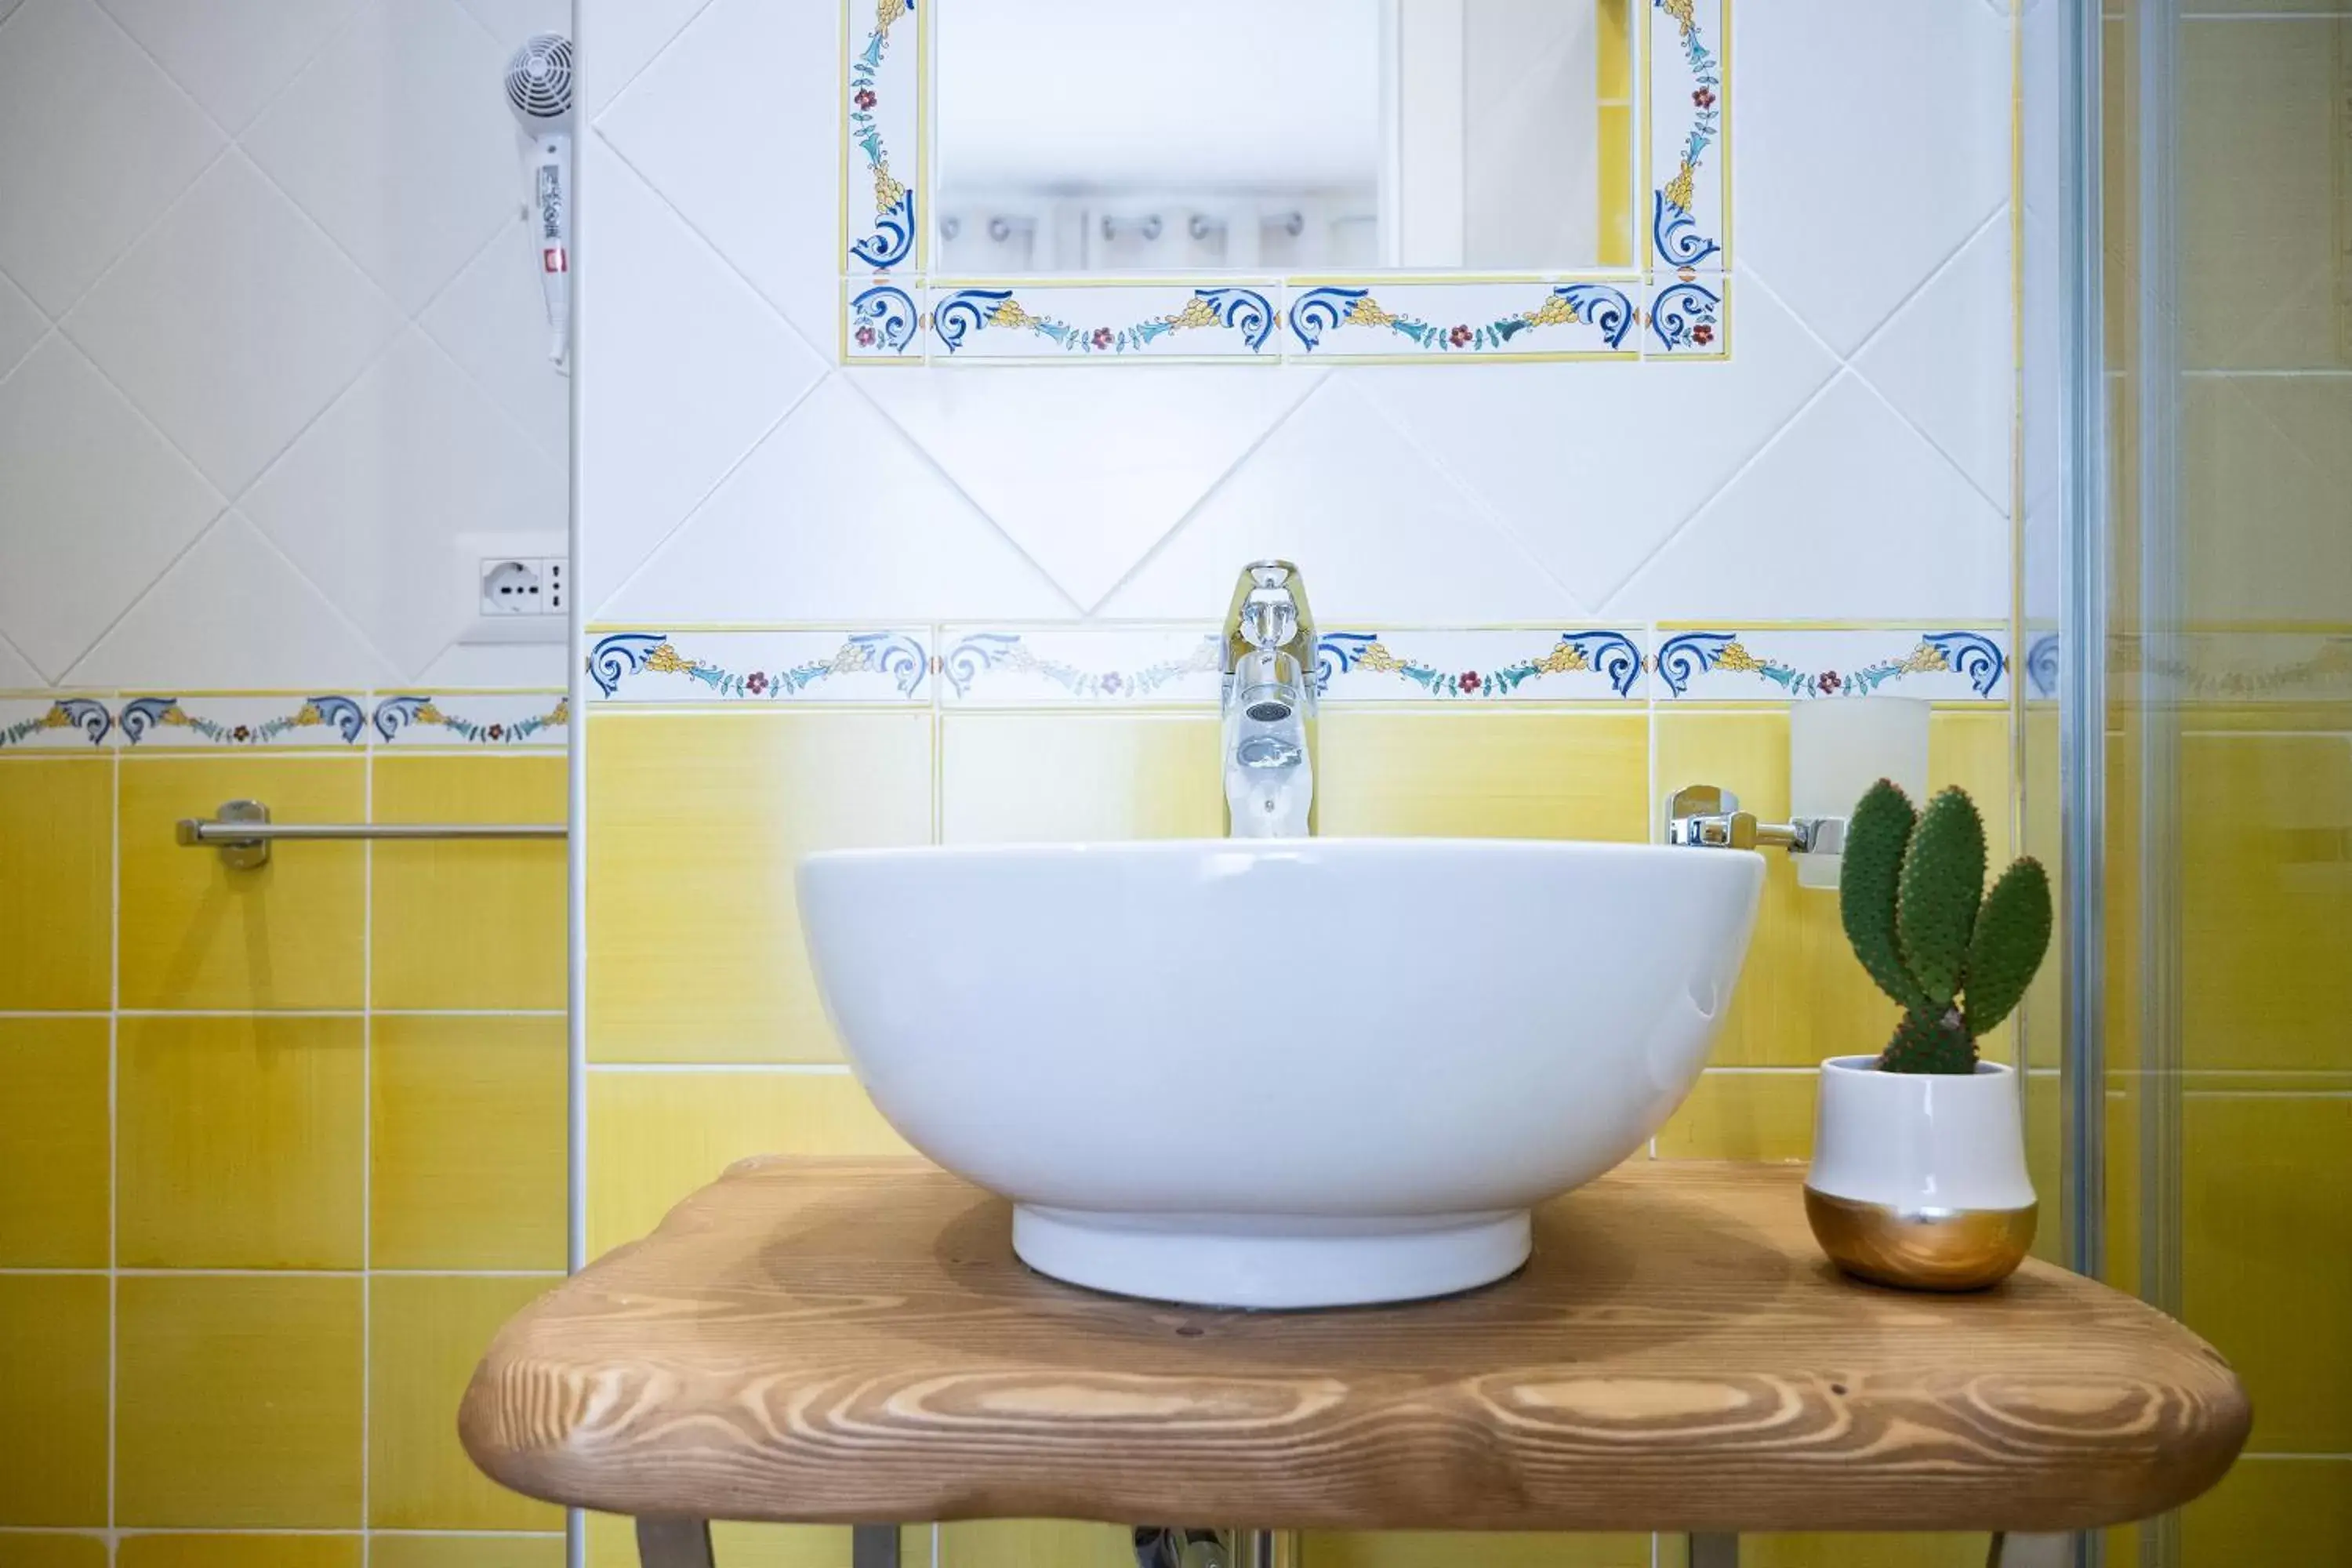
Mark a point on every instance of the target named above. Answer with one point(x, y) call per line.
point(853, 1341)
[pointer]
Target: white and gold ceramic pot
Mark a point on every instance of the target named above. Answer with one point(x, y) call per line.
point(1918, 1179)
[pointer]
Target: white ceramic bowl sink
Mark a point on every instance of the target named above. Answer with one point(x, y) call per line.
point(1278, 1072)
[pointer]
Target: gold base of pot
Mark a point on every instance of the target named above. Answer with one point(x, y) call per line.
point(1921, 1249)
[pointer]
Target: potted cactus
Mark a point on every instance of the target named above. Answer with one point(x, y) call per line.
point(1919, 1175)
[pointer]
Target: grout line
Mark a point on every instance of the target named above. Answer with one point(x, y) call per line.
point(367, 1158)
point(114, 1134)
point(804, 1069)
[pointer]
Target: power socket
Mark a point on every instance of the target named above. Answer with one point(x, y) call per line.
point(516, 588)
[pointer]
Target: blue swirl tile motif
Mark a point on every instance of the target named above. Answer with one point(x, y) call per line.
point(889, 239)
point(976, 654)
point(1676, 230)
point(79, 715)
point(1615, 658)
point(883, 319)
point(2041, 664)
point(396, 716)
point(1687, 318)
point(961, 317)
point(165, 719)
point(1977, 659)
point(620, 656)
point(1317, 313)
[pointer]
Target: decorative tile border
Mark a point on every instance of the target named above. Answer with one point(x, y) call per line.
point(1775, 664)
point(882, 104)
point(203, 723)
point(1672, 304)
point(215, 720)
point(1688, 317)
point(998, 667)
point(1433, 318)
point(535, 720)
point(2041, 667)
point(1686, 113)
point(642, 666)
point(37, 722)
point(882, 321)
point(983, 320)
point(1499, 665)
point(2239, 665)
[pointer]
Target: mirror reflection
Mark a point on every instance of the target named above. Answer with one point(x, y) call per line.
point(1316, 135)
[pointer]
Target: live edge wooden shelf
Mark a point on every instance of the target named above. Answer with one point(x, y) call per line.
point(828, 1341)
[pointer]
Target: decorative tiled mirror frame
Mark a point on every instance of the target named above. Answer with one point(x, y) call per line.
point(1675, 305)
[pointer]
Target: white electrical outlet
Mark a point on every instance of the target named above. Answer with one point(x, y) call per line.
point(517, 587)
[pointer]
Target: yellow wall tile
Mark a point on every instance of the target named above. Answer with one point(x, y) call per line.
point(654, 1137)
point(469, 1144)
point(2271, 1513)
point(53, 1351)
point(612, 1544)
point(1037, 1543)
point(1743, 1116)
point(240, 1551)
point(237, 1402)
point(1492, 775)
point(465, 1552)
point(694, 821)
point(29, 1551)
point(469, 924)
point(57, 899)
point(1802, 996)
point(2267, 1256)
point(1446, 1548)
point(426, 1334)
point(241, 1141)
point(1063, 777)
point(2265, 901)
point(1862, 1551)
point(54, 1164)
point(198, 934)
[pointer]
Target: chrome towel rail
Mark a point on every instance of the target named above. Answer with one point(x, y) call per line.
point(243, 832)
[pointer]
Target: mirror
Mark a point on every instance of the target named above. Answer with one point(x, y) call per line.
point(1308, 136)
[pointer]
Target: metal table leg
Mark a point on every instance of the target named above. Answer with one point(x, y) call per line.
point(873, 1546)
point(1715, 1552)
point(674, 1544)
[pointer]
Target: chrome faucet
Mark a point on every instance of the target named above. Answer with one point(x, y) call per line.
point(1269, 705)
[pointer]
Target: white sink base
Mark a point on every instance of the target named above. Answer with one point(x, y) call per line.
point(1271, 1261)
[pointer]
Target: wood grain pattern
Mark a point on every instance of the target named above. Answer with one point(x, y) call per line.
point(838, 1340)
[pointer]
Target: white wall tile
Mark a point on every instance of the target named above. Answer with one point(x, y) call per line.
point(14, 672)
point(370, 501)
point(233, 322)
point(21, 325)
point(99, 143)
point(230, 615)
point(699, 147)
point(491, 664)
point(836, 517)
point(233, 55)
point(691, 368)
point(1870, 140)
point(1947, 361)
point(1594, 475)
point(493, 321)
point(1380, 532)
point(1848, 514)
point(618, 40)
point(93, 503)
point(9, 8)
point(1086, 472)
point(386, 140)
point(512, 21)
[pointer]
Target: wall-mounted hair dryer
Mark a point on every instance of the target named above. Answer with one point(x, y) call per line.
point(539, 86)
